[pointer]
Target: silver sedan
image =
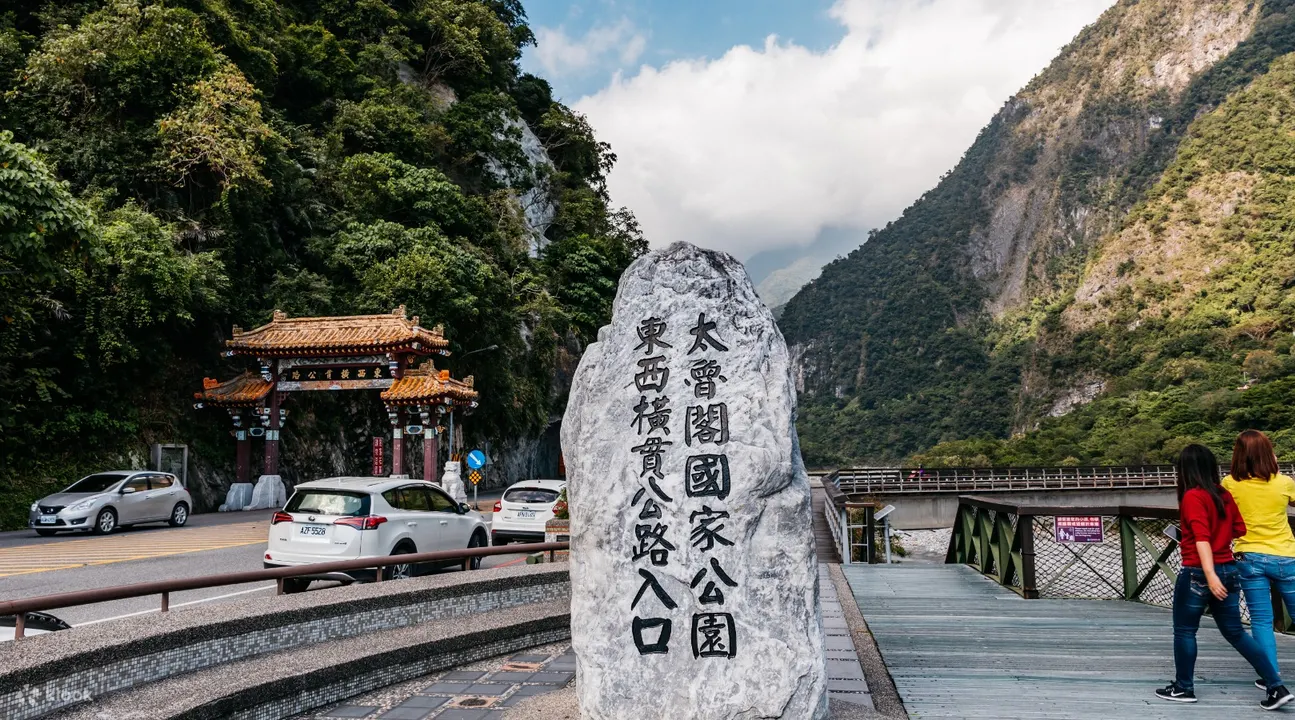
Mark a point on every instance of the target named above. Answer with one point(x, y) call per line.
point(102, 502)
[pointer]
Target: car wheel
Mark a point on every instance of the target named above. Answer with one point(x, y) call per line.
point(179, 515)
point(46, 533)
point(106, 522)
point(403, 571)
point(292, 586)
point(478, 540)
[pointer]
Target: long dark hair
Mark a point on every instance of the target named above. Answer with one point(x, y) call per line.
point(1253, 457)
point(1198, 468)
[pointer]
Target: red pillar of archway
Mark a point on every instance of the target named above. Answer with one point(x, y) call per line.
point(430, 443)
point(397, 443)
point(244, 459)
point(272, 434)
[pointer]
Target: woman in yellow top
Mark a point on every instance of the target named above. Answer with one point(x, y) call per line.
point(1266, 553)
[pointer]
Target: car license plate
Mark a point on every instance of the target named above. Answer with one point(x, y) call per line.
point(48, 519)
point(311, 532)
point(522, 514)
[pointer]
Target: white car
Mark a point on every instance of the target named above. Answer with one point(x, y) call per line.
point(350, 518)
point(521, 513)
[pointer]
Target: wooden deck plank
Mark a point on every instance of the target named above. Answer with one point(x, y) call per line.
point(958, 645)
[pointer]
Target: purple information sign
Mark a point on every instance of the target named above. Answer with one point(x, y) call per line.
point(1078, 529)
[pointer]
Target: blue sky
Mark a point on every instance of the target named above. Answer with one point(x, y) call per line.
point(671, 29)
point(731, 141)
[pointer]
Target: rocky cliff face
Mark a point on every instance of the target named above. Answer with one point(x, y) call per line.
point(957, 319)
point(1078, 128)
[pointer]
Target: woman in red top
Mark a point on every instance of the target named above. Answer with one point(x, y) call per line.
point(1210, 522)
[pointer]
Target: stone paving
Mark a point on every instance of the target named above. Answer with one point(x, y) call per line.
point(484, 692)
point(845, 679)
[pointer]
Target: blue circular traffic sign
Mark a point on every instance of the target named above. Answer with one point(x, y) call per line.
point(476, 459)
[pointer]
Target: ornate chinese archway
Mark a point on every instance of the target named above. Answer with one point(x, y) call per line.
point(358, 352)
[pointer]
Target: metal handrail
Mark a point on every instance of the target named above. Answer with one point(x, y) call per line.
point(20, 607)
point(1159, 512)
point(869, 480)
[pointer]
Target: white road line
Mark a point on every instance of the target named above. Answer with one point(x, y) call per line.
point(191, 602)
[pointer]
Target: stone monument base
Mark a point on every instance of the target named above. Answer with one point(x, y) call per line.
point(239, 495)
point(268, 493)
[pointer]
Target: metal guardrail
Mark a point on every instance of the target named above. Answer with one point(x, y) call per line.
point(878, 480)
point(20, 607)
point(1133, 559)
point(1003, 541)
point(853, 526)
point(867, 481)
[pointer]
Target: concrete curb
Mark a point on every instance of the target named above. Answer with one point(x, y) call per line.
point(46, 672)
point(283, 684)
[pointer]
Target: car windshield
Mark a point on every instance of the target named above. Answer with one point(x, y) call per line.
point(530, 495)
point(96, 483)
point(329, 502)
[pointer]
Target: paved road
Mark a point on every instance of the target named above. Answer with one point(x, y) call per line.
point(213, 543)
point(29, 537)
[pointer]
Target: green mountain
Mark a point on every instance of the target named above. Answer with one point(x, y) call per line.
point(171, 169)
point(1105, 277)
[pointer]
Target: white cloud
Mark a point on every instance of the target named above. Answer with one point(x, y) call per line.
point(560, 54)
point(764, 147)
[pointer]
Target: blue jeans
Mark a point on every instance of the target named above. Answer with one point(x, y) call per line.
point(1191, 596)
point(1260, 573)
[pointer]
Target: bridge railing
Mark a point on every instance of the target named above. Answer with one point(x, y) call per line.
point(853, 525)
point(868, 481)
point(1118, 552)
point(898, 480)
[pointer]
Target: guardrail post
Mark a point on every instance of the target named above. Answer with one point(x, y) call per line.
point(846, 549)
point(984, 550)
point(870, 533)
point(19, 626)
point(1025, 529)
point(278, 586)
point(1128, 556)
point(166, 602)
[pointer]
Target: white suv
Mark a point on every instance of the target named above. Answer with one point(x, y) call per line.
point(352, 518)
point(523, 510)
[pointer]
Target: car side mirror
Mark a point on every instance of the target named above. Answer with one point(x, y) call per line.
point(127, 490)
point(464, 508)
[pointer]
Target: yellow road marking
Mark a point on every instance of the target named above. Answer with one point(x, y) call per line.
point(139, 545)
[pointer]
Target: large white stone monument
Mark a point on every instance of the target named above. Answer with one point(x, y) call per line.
point(694, 585)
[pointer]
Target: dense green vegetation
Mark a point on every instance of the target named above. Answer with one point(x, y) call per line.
point(170, 169)
point(1190, 361)
point(902, 361)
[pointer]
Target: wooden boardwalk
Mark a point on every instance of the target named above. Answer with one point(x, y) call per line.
point(961, 646)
